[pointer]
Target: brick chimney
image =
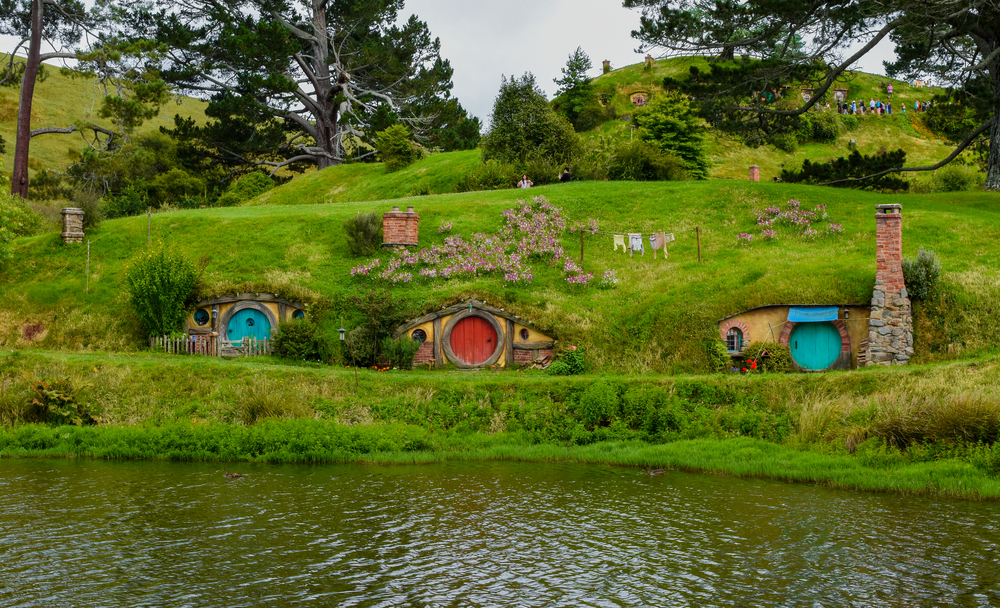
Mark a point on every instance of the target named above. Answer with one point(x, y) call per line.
point(754, 173)
point(400, 228)
point(890, 328)
point(607, 66)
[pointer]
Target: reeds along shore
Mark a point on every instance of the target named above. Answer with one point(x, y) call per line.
point(928, 428)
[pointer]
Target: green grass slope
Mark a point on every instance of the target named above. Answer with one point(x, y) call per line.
point(61, 100)
point(654, 320)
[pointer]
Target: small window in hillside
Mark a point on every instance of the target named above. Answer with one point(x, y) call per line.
point(734, 340)
point(298, 314)
point(525, 333)
point(419, 336)
point(201, 317)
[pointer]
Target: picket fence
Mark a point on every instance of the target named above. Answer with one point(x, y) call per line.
point(210, 346)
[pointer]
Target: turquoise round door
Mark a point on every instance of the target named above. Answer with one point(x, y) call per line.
point(248, 323)
point(815, 345)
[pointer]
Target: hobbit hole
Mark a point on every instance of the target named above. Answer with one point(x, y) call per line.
point(473, 335)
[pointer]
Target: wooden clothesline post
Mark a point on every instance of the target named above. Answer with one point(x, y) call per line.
point(697, 234)
point(581, 245)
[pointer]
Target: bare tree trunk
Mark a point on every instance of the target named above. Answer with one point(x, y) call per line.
point(19, 183)
point(993, 158)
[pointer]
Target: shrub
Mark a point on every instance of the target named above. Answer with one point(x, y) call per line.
point(639, 161)
point(62, 403)
point(541, 171)
point(849, 121)
point(854, 166)
point(247, 187)
point(921, 275)
point(590, 118)
point(570, 363)
point(825, 127)
point(396, 148)
point(16, 404)
point(259, 398)
point(159, 284)
point(491, 175)
point(718, 357)
point(16, 219)
point(130, 201)
point(598, 404)
point(93, 215)
point(360, 346)
point(363, 233)
point(399, 352)
point(786, 142)
point(779, 359)
point(956, 177)
point(297, 339)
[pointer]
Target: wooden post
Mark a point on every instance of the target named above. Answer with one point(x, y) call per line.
point(149, 225)
point(581, 245)
point(697, 234)
point(88, 267)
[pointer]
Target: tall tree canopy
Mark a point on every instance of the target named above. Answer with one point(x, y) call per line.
point(575, 87)
point(297, 82)
point(954, 42)
point(524, 126)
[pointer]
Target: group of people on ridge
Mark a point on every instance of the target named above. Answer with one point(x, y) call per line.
point(877, 106)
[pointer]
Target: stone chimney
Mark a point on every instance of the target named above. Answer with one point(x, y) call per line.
point(400, 228)
point(754, 173)
point(72, 225)
point(890, 328)
point(607, 66)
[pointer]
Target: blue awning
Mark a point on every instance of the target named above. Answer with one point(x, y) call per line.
point(812, 314)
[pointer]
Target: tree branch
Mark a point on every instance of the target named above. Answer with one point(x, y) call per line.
point(45, 130)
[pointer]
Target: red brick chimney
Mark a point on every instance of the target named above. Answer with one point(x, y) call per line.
point(399, 228)
point(889, 248)
point(890, 325)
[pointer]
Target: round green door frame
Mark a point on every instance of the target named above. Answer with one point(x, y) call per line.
point(258, 306)
point(446, 339)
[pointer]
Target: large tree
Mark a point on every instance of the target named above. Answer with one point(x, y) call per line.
point(61, 23)
point(575, 88)
point(295, 82)
point(954, 42)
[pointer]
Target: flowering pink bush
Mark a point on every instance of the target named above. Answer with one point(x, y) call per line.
point(609, 279)
point(530, 231)
point(744, 238)
point(445, 227)
point(793, 216)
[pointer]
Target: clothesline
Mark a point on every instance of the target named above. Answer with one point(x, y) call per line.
point(603, 233)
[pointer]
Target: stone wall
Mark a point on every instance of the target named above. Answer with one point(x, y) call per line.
point(890, 326)
point(72, 225)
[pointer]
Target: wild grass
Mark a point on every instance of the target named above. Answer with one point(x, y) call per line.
point(259, 398)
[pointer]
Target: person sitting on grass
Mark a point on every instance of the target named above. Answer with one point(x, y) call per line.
point(525, 182)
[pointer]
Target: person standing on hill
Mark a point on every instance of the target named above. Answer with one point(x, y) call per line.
point(889, 90)
point(888, 108)
point(525, 182)
point(916, 106)
point(871, 104)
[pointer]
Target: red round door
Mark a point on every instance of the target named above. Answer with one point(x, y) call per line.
point(473, 340)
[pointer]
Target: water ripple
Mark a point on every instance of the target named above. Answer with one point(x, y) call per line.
point(480, 534)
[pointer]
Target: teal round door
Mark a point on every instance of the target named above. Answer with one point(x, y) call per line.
point(815, 345)
point(248, 323)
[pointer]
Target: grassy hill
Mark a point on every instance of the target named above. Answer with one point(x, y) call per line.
point(654, 320)
point(62, 99)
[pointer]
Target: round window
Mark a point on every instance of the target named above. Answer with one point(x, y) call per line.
point(298, 314)
point(249, 322)
point(525, 333)
point(201, 317)
point(419, 336)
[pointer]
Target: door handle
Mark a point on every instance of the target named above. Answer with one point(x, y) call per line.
point(489, 339)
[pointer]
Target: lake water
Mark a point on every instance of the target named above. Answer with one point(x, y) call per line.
point(85, 533)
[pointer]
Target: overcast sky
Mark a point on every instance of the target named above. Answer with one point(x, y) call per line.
point(485, 39)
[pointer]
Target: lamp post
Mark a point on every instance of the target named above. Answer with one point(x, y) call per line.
point(343, 333)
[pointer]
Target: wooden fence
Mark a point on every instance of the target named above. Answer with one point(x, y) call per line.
point(210, 346)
